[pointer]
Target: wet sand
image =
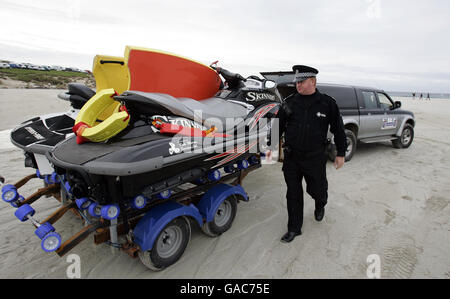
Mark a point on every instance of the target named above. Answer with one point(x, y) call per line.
point(386, 201)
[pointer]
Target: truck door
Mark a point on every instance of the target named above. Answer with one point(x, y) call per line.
point(371, 114)
point(390, 120)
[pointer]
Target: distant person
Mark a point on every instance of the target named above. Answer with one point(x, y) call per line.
point(421, 97)
point(428, 97)
point(414, 96)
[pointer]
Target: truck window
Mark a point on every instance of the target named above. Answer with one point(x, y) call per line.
point(286, 90)
point(370, 100)
point(384, 101)
point(345, 96)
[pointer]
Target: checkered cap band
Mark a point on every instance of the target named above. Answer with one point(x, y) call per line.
point(303, 76)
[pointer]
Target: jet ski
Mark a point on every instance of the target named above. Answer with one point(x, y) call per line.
point(171, 141)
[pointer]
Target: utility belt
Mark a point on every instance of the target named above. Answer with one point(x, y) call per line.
point(304, 155)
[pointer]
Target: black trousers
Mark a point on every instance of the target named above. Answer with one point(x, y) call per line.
point(296, 167)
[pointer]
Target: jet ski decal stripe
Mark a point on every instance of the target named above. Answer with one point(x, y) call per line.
point(261, 113)
point(234, 156)
point(237, 149)
point(234, 150)
point(227, 153)
point(217, 157)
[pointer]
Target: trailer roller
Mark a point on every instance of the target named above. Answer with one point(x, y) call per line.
point(83, 203)
point(164, 194)
point(50, 240)
point(110, 212)
point(243, 164)
point(214, 175)
point(10, 194)
point(95, 210)
point(139, 202)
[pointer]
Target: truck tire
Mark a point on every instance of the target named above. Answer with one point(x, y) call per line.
point(169, 245)
point(406, 138)
point(351, 147)
point(223, 218)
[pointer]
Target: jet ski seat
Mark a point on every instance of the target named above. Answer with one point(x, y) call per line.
point(77, 95)
point(80, 90)
point(214, 111)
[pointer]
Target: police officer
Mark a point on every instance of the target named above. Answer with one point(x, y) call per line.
point(304, 118)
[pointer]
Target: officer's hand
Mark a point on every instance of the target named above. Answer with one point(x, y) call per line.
point(269, 156)
point(339, 162)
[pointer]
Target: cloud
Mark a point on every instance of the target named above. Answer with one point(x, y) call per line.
point(399, 44)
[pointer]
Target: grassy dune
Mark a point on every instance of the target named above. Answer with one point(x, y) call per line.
point(46, 79)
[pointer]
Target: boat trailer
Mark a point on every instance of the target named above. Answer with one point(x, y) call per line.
point(145, 220)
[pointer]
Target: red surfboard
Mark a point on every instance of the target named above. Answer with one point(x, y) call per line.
point(157, 71)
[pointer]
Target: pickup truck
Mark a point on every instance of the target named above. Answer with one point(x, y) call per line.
point(369, 114)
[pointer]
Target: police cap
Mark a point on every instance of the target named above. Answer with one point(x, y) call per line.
point(303, 72)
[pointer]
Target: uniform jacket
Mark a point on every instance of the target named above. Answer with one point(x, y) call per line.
point(305, 122)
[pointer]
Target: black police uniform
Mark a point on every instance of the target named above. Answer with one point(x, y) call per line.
point(304, 120)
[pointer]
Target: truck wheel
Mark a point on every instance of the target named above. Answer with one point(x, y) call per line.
point(351, 147)
point(222, 219)
point(406, 138)
point(169, 245)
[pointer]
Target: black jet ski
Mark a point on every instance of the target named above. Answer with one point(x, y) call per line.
point(170, 142)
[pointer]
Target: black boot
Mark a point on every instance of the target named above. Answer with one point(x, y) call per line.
point(319, 213)
point(289, 236)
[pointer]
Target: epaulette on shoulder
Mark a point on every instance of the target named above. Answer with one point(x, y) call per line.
point(287, 105)
point(289, 97)
point(329, 97)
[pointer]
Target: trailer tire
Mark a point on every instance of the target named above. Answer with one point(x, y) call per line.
point(165, 253)
point(223, 218)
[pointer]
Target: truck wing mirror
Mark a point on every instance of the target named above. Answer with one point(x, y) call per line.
point(268, 84)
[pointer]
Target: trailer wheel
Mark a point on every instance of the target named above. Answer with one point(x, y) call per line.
point(222, 219)
point(169, 245)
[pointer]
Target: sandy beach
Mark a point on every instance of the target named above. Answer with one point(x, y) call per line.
point(386, 201)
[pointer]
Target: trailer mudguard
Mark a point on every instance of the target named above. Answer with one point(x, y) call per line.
point(149, 227)
point(214, 197)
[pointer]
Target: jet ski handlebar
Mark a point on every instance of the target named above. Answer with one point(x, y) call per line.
point(64, 96)
point(230, 78)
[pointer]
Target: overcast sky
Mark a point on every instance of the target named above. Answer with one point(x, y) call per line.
point(395, 45)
